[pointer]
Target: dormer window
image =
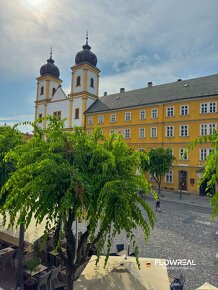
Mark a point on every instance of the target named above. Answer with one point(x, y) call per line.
point(53, 91)
point(78, 81)
point(92, 83)
point(42, 91)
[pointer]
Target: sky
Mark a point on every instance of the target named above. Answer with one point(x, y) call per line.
point(135, 42)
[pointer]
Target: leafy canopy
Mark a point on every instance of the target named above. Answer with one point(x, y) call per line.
point(211, 168)
point(159, 162)
point(63, 176)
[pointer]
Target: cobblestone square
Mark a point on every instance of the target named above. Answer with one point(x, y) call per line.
point(184, 230)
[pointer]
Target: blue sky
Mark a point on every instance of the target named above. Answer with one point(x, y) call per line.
point(135, 42)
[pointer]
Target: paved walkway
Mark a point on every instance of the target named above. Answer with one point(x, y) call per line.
point(203, 201)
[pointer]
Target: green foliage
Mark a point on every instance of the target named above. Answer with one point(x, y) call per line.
point(63, 176)
point(9, 139)
point(211, 167)
point(158, 163)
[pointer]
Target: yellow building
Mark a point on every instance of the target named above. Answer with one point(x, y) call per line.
point(168, 115)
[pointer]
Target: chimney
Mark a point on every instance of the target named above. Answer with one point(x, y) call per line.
point(122, 90)
point(105, 93)
point(150, 84)
point(179, 80)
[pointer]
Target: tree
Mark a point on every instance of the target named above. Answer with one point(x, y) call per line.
point(158, 164)
point(211, 167)
point(9, 139)
point(64, 176)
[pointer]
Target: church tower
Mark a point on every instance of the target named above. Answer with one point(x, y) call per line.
point(84, 85)
point(47, 85)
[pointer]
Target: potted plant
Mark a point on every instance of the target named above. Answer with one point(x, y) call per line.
point(30, 283)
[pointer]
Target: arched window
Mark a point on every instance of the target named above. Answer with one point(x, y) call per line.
point(53, 91)
point(78, 81)
point(92, 82)
point(42, 91)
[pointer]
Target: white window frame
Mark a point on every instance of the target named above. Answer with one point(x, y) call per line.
point(182, 130)
point(154, 113)
point(207, 129)
point(90, 120)
point(141, 133)
point(170, 111)
point(101, 119)
point(184, 110)
point(203, 153)
point(127, 116)
point(169, 177)
point(127, 133)
point(151, 132)
point(142, 115)
point(113, 118)
point(169, 131)
point(112, 131)
point(183, 156)
point(209, 107)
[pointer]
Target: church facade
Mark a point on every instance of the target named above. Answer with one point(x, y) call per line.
point(167, 115)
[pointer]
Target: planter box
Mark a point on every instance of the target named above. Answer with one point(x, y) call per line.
point(31, 286)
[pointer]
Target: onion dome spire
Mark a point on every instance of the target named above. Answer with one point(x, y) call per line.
point(50, 68)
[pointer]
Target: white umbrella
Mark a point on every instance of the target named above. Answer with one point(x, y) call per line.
point(207, 286)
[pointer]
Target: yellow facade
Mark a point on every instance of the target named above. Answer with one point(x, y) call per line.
point(191, 123)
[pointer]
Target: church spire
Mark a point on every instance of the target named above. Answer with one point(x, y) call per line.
point(87, 37)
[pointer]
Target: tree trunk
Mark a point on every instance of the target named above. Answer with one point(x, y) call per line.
point(158, 188)
point(69, 278)
point(19, 282)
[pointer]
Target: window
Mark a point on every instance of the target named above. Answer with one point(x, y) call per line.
point(184, 110)
point(169, 131)
point(142, 115)
point(127, 116)
point(77, 113)
point(40, 116)
point(112, 131)
point(153, 132)
point(92, 83)
point(183, 154)
point(42, 91)
point(141, 149)
point(126, 133)
point(208, 108)
point(90, 120)
point(100, 119)
point(169, 177)
point(113, 118)
point(170, 111)
point(141, 132)
point(78, 81)
point(57, 114)
point(204, 153)
point(184, 130)
point(154, 113)
point(53, 91)
point(207, 129)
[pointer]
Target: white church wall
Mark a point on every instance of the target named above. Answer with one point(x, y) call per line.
point(62, 106)
point(52, 85)
point(77, 103)
point(76, 88)
point(41, 84)
point(40, 110)
point(59, 95)
point(90, 89)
